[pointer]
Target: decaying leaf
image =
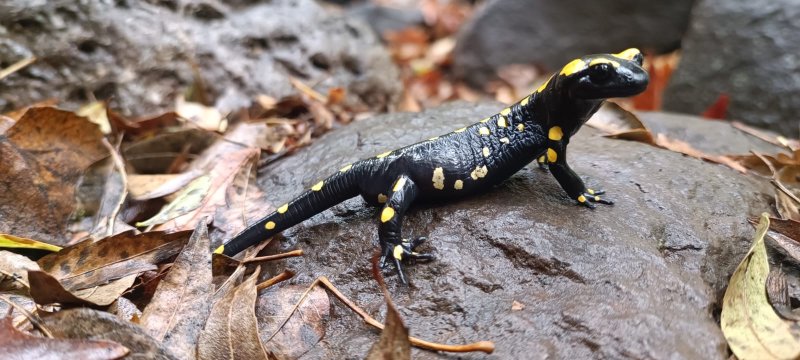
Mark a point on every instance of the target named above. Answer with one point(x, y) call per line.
point(96, 112)
point(186, 201)
point(221, 176)
point(19, 345)
point(244, 202)
point(45, 290)
point(394, 343)
point(178, 311)
point(14, 272)
point(145, 187)
point(155, 155)
point(204, 117)
point(751, 326)
point(89, 264)
point(44, 155)
point(231, 331)
point(304, 329)
point(82, 323)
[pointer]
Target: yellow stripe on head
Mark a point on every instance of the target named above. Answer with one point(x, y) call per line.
point(573, 67)
point(600, 60)
point(628, 54)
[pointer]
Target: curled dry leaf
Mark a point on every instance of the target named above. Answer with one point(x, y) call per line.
point(44, 155)
point(231, 331)
point(189, 199)
point(751, 326)
point(304, 329)
point(203, 117)
point(14, 272)
point(176, 314)
point(92, 324)
point(22, 346)
point(45, 290)
point(89, 264)
point(96, 112)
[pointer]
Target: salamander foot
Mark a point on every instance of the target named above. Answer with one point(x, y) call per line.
point(590, 197)
point(399, 253)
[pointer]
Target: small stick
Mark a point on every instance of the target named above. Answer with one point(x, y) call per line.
point(17, 66)
point(120, 165)
point(32, 318)
point(285, 255)
point(484, 346)
point(286, 275)
point(307, 90)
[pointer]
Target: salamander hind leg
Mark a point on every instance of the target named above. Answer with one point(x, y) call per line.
point(394, 248)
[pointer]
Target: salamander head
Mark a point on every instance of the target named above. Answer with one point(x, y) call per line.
point(604, 76)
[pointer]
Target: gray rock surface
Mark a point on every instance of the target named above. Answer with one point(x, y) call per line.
point(139, 54)
point(747, 50)
point(550, 33)
point(641, 279)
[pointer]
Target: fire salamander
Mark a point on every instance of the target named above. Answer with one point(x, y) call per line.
point(470, 159)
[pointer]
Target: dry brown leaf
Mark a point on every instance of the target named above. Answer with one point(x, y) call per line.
point(85, 323)
point(176, 314)
point(146, 187)
point(787, 196)
point(45, 290)
point(155, 155)
point(203, 117)
point(96, 112)
point(303, 330)
point(231, 331)
point(44, 155)
point(14, 272)
point(222, 175)
point(89, 264)
point(244, 203)
point(394, 343)
point(19, 345)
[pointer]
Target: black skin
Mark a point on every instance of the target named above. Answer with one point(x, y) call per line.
point(469, 160)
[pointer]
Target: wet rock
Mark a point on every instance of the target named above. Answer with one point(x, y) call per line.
point(141, 54)
point(747, 50)
point(640, 279)
point(550, 33)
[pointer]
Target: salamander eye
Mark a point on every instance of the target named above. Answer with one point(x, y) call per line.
point(600, 72)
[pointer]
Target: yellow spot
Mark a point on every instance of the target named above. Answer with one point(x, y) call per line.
point(590, 191)
point(603, 61)
point(501, 122)
point(486, 120)
point(541, 159)
point(544, 85)
point(381, 156)
point(581, 198)
point(438, 178)
point(382, 198)
point(269, 225)
point(460, 130)
point(596, 198)
point(346, 168)
point(555, 133)
point(551, 155)
point(398, 252)
point(573, 67)
point(520, 127)
point(504, 140)
point(506, 112)
point(483, 131)
point(220, 249)
point(485, 151)
point(458, 185)
point(399, 184)
point(628, 54)
point(479, 172)
point(283, 208)
point(318, 186)
point(525, 101)
point(387, 214)
point(433, 138)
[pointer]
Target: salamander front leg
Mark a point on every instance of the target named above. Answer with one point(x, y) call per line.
point(393, 246)
point(572, 183)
